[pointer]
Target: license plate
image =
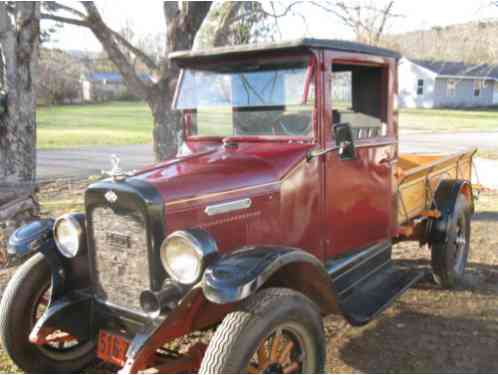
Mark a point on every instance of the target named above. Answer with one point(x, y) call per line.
point(112, 348)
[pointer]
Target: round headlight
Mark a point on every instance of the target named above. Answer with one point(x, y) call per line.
point(184, 254)
point(68, 235)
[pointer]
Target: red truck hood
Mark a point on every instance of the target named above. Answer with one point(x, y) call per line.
point(221, 169)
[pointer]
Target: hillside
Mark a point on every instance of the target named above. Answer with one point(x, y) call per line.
point(473, 42)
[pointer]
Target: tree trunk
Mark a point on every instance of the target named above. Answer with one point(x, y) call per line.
point(19, 44)
point(166, 125)
point(183, 20)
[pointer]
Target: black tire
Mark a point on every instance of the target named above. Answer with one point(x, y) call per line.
point(449, 258)
point(242, 332)
point(17, 310)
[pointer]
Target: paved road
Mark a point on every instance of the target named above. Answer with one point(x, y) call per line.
point(446, 142)
point(487, 170)
point(88, 161)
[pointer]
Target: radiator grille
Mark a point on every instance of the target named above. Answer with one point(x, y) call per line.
point(121, 265)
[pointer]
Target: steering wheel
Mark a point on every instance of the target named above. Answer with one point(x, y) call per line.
point(258, 124)
point(291, 130)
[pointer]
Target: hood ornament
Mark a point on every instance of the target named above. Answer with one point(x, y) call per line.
point(116, 173)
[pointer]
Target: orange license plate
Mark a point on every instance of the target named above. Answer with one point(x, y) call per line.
point(112, 348)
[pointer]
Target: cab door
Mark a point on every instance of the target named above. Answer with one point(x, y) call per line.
point(359, 190)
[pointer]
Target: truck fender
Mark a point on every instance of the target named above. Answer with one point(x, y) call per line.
point(37, 237)
point(66, 273)
point(237, 276)
point(30, 238)
point(70, 313)
point(444, 200)
point(228, 280)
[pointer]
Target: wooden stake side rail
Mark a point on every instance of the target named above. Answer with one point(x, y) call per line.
point(421, 175)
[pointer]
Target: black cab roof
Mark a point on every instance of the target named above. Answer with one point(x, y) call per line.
point(185, 58)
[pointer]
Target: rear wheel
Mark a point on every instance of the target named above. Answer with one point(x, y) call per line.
point(24, 301)
point(449, 258)
point(275, 331)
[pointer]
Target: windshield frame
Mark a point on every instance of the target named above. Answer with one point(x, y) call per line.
point(311, 78)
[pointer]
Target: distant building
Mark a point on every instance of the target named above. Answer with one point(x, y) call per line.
point(433, 84)
point(103, 86)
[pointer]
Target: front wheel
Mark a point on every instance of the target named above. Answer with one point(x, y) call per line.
point(23, 303)
point(274, 331)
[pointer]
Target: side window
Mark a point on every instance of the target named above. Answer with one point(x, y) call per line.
point(477, 87)
point(420, 87)
point(451, 87)
point(358, 99)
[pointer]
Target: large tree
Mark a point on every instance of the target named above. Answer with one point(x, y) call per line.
point(183, 20)
point(230, 22)
point(19, 41)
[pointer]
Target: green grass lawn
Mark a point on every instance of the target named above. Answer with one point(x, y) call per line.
point(454, 120)
point(94, 124)
point(118, 123)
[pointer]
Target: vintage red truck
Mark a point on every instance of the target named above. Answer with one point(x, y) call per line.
point(282, 206)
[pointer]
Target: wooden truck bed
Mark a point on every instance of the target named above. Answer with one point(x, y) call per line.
point(419, 175)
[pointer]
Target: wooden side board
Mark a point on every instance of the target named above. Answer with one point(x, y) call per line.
point(421, 176)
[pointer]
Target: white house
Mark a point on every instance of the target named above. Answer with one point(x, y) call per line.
point(433, 84)
point(102, 86)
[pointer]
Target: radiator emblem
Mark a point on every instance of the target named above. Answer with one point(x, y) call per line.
point(111, 196)
point(118, 240)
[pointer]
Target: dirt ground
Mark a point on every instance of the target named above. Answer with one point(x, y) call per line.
point(429, 330)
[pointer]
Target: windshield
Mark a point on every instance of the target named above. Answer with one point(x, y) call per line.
point(248, 100)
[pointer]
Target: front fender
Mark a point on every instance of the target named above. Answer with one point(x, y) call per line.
point(66, 274)
point(240, 274)
point(30, 238)
point(228, 280)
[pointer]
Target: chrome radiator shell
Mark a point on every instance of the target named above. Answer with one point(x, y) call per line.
point(121, 261)
point(124, 239)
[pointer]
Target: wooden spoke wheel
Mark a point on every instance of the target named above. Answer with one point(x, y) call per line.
point(58, 342)
point(280, 353)
point(4, 259)
point(275, 331)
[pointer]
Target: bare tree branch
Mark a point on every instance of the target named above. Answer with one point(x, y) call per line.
point(146, 59)
point(366, 21)
point(72, 21)
point(285, 12)
point(106, 36)
point(55, 6)
point(386, 13)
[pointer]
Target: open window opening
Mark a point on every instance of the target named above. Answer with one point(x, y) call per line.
point(359, 97)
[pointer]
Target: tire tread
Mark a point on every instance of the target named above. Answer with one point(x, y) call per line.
point(217, 358)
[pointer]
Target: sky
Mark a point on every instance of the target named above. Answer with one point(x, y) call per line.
point(146, 17)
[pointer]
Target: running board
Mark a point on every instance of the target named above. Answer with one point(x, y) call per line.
point(377, 292)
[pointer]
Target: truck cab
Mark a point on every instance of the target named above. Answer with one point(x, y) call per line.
point(281, 206)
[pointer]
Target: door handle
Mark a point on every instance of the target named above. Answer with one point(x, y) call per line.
point(388, 158)
point(389, 161)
